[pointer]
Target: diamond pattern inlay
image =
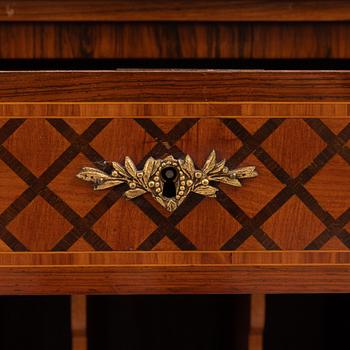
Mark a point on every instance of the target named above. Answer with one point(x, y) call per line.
point(294, 151)
point(124, 226)
point(4, 247)
point(79, 124)
point(329, 189)
point(2, 122)
point(254, 195)
point(29, 144)
point(251, 244)
point(9, 180)
point(123, 137)
point(33, 232)
point(252, 124)
point(81, 246)
point(166, 124)
point(335, 125)
point(299, 227)
point(166, 245)
point(295, 203)
point(209, 130)
point(82, 199)
point(203, 219)
point(334, 244)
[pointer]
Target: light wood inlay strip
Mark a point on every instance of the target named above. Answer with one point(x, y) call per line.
point(171, 258)
point(169, 110)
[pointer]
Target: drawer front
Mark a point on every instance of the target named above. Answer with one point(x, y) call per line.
point(302, 191)
point(285, 230)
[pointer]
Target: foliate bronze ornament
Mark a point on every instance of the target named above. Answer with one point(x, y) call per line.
point(169, 180)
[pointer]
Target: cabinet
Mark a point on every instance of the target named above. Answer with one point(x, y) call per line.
point(263, 83)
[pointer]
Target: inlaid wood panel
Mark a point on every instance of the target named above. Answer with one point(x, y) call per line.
point(300, 200)
point(286, 230)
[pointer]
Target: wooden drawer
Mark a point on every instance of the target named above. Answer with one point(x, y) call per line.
point(286, 230)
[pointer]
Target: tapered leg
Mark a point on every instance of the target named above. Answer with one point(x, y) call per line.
point(257, 322)
point(78, 322)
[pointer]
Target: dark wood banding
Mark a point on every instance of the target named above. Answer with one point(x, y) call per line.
point(179, 10)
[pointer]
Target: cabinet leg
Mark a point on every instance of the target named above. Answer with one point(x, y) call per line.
point(78, 322)
point(257, 322)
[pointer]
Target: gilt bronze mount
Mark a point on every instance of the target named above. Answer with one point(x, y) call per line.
point(169, 180)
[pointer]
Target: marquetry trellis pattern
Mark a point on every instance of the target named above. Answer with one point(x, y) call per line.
point(44, 208)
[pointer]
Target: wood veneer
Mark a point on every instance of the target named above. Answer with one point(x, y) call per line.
point(183, 110)
point(293, 205)
point(105, 279)
point(79, 322)
point(179, 10)
point(175, 41)
point(195, 86)
point(303, 165)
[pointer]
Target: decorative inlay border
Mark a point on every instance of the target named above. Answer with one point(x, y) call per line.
point(173, 109)
point(167, 258)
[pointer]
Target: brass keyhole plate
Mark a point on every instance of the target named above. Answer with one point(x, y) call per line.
point(151, 179)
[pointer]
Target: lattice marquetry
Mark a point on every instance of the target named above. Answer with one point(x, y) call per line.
point(298, 201)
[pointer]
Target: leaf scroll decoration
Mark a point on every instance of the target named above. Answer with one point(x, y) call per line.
point(151, 179)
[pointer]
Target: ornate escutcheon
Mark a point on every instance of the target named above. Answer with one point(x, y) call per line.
point(169, 180)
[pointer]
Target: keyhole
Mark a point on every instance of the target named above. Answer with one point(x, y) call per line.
point(169, 176)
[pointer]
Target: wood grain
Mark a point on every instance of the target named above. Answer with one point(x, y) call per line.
point(334, 258)
point(257, 321)
point(81, 113)
point(157, 10)
point(174, 280)
point(269, 210)
point(78, 322)
point(168, 97)
point(176, 42)
point(175, 85)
